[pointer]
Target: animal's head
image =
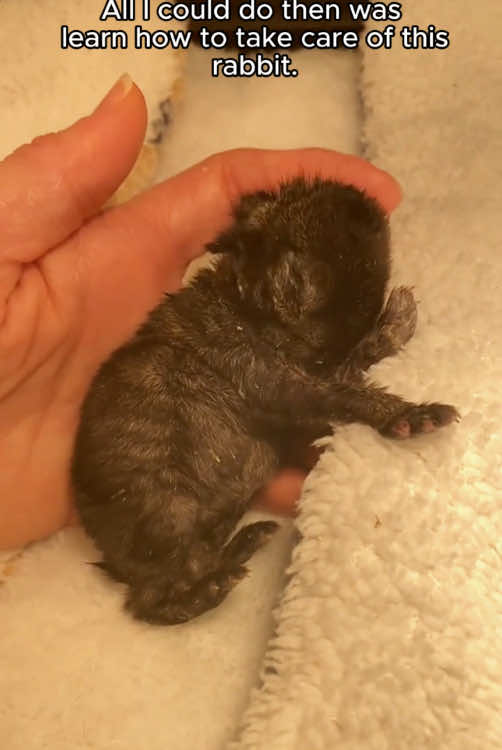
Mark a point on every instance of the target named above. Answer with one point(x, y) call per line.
point(314, 256)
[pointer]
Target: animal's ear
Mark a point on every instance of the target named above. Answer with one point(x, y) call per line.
point(250, 215)
point(230, 241)
point(253, 209)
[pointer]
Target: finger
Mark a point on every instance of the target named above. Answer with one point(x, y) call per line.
point(248, 169)
point(228, 175)
point(133, 253)
point(170, 224)
point(282, 493)
point(49, 187)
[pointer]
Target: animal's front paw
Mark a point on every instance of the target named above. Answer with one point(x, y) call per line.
point(419, 419)
point(398, 321)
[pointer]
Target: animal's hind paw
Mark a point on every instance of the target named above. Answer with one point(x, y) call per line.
point(160, 601)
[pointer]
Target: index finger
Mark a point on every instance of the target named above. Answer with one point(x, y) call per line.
point(191, 208)
point(247, 170)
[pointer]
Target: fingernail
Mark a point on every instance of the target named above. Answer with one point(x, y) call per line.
point(118, 92)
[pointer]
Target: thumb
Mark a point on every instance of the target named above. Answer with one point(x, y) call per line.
point(59, 180)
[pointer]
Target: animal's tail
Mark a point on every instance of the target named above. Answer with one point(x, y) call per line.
point(158, 601)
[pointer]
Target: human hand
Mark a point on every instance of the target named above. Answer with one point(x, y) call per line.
point(76, 281)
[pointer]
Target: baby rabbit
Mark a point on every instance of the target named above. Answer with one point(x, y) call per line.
point(186, 421)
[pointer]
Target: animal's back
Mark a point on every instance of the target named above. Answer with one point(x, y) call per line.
point(163, 468)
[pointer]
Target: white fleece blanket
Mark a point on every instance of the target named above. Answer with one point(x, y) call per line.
point(45, 88)
point(389, 634)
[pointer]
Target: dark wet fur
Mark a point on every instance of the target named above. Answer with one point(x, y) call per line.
point(185, 422)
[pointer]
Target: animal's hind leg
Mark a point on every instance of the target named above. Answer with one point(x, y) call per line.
point(162, 603)
point(210, 590)
point(158, 603)
point(208, 578)
point(202, 568)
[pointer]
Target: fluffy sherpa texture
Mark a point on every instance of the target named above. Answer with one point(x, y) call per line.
point(389, 634)
point(44, 87)
point(75, 670)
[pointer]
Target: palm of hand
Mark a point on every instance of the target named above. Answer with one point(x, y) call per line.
point(75, 283)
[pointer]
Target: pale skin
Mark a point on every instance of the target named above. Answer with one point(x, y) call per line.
point(76, 281)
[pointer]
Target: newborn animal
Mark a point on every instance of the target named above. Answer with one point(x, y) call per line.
point(186, 421)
